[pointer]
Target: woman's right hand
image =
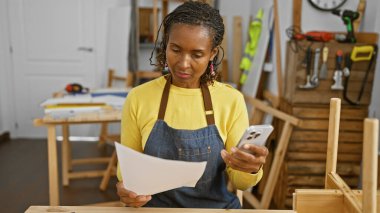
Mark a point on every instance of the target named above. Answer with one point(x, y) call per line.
point(130, 198)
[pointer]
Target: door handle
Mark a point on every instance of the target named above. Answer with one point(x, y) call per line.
point(86, 49)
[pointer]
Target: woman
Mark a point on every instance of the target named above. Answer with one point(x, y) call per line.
point(187, 115)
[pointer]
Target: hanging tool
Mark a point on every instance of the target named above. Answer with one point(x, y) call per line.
point(315, 77)
point(319, 36)
point(338, 74)
point(308, 84)
point(251, 46)
point(347, 66)
point(363, 53)
point(359, 53)
point(323, 71)
point(348, 17)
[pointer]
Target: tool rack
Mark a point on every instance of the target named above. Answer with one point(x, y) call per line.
point(304, 164)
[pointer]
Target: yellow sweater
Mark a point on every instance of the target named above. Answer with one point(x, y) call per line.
point(185, 110)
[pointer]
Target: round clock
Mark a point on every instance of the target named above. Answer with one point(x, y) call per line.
point(327, 5)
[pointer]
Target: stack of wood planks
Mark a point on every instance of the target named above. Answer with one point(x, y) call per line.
point(304, 164)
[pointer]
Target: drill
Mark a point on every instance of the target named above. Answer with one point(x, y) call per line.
point(348, 17)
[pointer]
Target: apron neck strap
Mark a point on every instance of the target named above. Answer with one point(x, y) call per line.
point(206, 101)
point(208, 104)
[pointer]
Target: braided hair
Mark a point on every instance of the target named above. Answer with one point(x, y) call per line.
point(193, 13)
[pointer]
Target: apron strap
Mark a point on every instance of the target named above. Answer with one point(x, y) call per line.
point(208, 104)
point(206, 100)
point(164, 98)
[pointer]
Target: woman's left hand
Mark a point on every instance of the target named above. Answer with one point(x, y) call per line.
point(248, 159)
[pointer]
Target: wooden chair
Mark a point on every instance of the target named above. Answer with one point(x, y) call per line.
point(68, 162)
point(133, 79)
point(140, 77)
point(104, 135)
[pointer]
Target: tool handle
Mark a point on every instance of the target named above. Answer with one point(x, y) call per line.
point(364, 82)
point(347, 61)
point(339, 58)
point(308, 60)
point(325, 54)
point(350, 30)
point(362, 53)
point(317, 53)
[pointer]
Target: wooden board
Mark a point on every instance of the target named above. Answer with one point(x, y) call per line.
point(88, 209)
point(321, 201)
point(295, 73)
point(305, 162)
point(238, 48)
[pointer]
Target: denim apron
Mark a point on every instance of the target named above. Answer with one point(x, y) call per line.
point(203, 144)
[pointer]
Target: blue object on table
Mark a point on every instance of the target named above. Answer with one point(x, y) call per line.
point(120, 94)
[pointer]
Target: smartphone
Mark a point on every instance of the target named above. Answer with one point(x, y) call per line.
point(256, 134)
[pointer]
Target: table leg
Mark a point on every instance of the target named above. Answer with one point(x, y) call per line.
point(53, 166)
point(65, 155)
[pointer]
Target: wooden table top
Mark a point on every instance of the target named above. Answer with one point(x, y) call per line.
point(107, 115)
point(88, 209)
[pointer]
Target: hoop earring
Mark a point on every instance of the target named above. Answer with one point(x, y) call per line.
point(212, 71)
point(166, 68)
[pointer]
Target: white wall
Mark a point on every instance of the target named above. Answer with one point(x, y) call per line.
point(229, 9)
point(102, 7)
point(375, 105)
point(371, 22)
point(6, 112)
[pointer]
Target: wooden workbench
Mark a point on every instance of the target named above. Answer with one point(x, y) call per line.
point(85, 209)
point(51, 123)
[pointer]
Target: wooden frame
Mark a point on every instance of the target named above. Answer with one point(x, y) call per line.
point(290, 122)
point(337, 195)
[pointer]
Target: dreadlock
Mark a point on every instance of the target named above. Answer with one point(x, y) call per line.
point(192, 13)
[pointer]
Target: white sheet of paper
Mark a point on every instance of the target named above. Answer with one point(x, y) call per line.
point(148, 175)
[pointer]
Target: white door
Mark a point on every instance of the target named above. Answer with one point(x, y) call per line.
point(53, 45)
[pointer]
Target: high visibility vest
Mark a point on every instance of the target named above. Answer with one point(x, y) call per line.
point(254, 33)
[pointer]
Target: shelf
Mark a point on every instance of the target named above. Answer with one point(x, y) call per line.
point(147, 45)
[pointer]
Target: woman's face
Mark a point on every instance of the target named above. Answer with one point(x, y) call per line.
point(188, 54)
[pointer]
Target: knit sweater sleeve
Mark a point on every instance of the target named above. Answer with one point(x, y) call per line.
point(241, 180)
point(130, 133)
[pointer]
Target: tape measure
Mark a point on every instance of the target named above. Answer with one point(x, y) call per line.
point(76, 88)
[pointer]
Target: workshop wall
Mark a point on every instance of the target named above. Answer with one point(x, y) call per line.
point(5, 93)
point(7, 111)
point(375, 104)
point(314, 20)
point(371, 23)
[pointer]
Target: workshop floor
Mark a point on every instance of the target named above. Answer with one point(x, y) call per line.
point(24, 176)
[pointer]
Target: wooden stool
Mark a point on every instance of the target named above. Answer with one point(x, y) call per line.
point(337, 195)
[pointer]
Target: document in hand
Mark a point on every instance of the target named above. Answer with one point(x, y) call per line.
point(148, 175)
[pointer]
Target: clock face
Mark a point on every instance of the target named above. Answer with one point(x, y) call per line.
point(327, 5)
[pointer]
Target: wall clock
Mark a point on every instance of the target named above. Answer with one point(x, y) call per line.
point(327, 5)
